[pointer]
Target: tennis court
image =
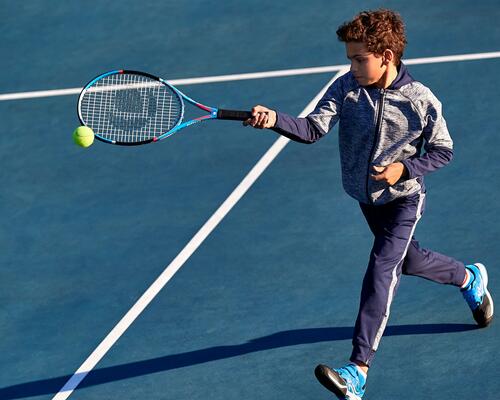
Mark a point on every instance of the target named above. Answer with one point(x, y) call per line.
point(267, 288)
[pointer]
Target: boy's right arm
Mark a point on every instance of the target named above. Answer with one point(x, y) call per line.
point(304, 130)
point(297, 129)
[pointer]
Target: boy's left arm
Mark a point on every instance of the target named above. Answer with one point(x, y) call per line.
point(438, 150)
point(438, 144)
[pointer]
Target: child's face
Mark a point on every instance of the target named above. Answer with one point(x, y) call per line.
point(368, 68)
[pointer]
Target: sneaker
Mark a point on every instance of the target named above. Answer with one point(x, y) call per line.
point(346, 382)
point(477, 296)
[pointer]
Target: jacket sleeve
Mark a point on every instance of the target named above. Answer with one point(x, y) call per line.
point(318, 123)
point(300, 130)
point(438, 144)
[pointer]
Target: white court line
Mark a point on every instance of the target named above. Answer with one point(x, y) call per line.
point(258, 75)
point(184, 255)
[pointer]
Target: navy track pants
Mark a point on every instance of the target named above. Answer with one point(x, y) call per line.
point(395, 251)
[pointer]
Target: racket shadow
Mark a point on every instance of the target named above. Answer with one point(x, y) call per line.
point(175, 361)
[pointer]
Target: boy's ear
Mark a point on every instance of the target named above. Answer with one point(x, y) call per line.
point(388, 56)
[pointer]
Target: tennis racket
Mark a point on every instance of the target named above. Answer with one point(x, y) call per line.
point(132, 108)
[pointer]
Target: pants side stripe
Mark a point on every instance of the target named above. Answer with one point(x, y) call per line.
point(394, 280)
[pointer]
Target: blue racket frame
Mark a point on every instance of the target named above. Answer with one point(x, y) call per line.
point(214, 112)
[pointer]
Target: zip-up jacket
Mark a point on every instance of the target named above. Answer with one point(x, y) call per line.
point(378, 127)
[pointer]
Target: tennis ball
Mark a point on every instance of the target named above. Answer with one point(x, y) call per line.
point(83, 136)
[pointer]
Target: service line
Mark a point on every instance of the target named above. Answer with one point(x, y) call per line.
point(258, 75)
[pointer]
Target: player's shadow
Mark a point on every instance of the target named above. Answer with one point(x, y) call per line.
point(174, 361)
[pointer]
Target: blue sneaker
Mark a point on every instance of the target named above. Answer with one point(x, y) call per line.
point(346, 383)
point(477, 296)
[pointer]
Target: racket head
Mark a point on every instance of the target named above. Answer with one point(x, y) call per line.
point(129, 108)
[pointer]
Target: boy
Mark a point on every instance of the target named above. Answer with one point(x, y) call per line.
point(385, 117)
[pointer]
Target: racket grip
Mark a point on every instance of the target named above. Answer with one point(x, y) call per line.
point(234, 115)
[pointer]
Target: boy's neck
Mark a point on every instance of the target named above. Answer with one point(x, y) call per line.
point(388, 77)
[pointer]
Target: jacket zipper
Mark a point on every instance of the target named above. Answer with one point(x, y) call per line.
point(375, 140)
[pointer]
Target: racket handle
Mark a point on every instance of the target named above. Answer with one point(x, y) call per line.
point(234, 115)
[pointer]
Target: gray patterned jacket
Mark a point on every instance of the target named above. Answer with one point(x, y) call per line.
point(378, 127)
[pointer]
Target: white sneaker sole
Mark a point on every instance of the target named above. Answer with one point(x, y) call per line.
point(484, 273)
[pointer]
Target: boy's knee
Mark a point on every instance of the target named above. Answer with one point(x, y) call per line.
point(406, 269)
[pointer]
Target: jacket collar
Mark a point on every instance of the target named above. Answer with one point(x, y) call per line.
point(403, 78)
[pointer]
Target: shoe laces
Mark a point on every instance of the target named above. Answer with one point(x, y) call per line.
point(354, 381)
point(474, 293)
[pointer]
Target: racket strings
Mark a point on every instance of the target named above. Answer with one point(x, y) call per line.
point(128, 108)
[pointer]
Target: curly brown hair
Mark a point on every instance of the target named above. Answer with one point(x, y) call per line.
point(379, 30)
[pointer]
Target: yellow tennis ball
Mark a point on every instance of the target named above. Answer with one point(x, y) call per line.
point(83, 136)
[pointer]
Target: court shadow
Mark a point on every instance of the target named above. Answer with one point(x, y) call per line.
point(174, 361)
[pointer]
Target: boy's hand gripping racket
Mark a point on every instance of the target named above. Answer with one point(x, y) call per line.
point(131, 108)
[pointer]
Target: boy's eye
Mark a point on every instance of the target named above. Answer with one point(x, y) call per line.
point(357, 60)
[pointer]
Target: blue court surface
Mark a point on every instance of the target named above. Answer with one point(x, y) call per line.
point(273, 289)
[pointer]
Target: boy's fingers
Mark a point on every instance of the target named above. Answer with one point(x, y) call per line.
point(260, 117)
point(258, 109)
point(259, 120)
point(263, 119)
point(379, 177)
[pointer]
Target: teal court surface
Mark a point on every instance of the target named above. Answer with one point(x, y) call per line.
point(225, 262)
